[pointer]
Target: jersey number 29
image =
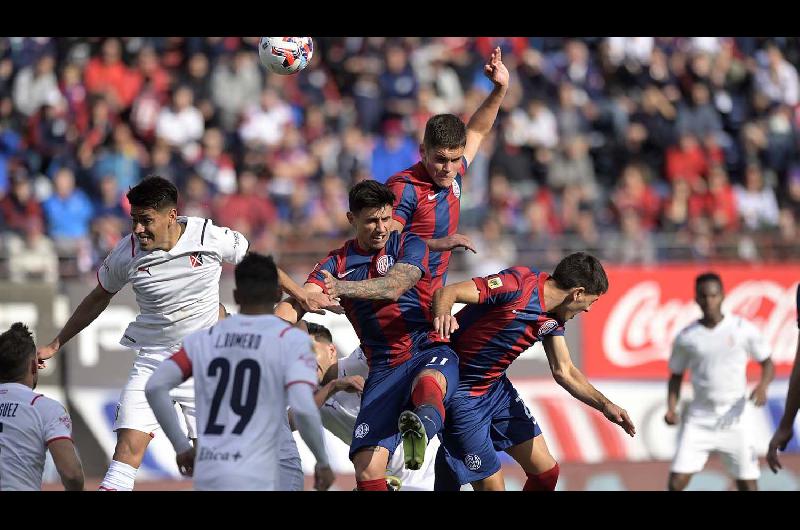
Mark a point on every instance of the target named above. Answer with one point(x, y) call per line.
point(221, 367)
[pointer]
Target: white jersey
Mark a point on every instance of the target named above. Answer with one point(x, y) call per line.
point(718, 359)
point(242, 367)
point(28, 423)
point(177, 290)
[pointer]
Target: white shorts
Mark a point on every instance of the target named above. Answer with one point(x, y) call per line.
point(133, 410)
point(420, 480)
point(731, 438)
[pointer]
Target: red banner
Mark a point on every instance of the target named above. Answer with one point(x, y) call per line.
point(629, 331)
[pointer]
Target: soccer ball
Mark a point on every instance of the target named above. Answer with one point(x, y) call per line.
point(285, 55)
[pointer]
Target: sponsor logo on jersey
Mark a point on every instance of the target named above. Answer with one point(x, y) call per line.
point(66, 420)
point(196, 259)
point(473, 462)
point(385, 263)
point(548, 326)
point(345, 273)
point(456, 189)
point(361, 430)
point(495, 282)
point(432, 196)
point(145, 269)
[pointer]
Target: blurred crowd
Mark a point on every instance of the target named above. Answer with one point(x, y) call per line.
point(640, 148)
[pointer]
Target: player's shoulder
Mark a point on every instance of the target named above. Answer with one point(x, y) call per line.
point(46, 405)
point(687, 332)
point(125, 250)
point(741, 323)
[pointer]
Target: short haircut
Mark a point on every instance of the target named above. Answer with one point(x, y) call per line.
point(319, 332)
point(580, 269)
point(154, 192)
point(257, 280)
point(370, 194)
point(16, 351)
point(707, 277)
point(445, 131)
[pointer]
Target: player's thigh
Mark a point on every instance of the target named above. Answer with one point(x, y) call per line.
point(441, 362)
point(470, 452)
point(514, 429)
point(695, 443)
point(738, 452)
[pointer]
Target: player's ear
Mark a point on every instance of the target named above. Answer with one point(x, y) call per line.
point(422, 151)
point(578, 293)
point(351, 218)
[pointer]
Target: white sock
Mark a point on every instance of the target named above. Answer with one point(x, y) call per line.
point(119, 477)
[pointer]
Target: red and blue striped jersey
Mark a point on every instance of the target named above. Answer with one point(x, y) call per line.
point(389, 331)
point(427, 210)
point(509, 317)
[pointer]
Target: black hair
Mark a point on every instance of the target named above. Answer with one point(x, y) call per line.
point(154, 192)
point(319, 332)
point(257, 280)
point(580, 269)
point(707, 277)
point(370, 194)
point(16, 351)
point(445, 131)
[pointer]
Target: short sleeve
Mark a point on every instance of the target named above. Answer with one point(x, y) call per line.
point(56, 420)
point(757, 346)
point(300, 361)
point(501, 288)
point(328, 264)
point(114, 273)
point(230, 244)
point(679, 358)
point(413, 251)
point(547, 325)
point(405, 199)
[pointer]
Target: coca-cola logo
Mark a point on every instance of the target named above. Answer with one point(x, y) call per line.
point(641, 327)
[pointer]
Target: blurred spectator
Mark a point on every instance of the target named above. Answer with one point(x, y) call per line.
point(634, 193)
point(196, 199)
point(264, 123)
point(573, 167)
point(776, 78)
point(634, 243)
point(718, 203)
point(250, 212)
point(35, 85)
point(215, 165)
point(534, 126)
point(393, 152)
point(76, 97)
point(700, 118)
point(397, 83)
point(197, 78)
point(687, 161)
point(20, 206)
point(181, 125)
point(235, 82)
point(327, 214)
point(496, 251)
point(68, 210)
point(32, 255)
point(108, 76)
point(756, 201)
point(122, 160)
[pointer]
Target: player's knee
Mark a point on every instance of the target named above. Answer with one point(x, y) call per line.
point(130, 448)
point(437, 376)
point(369, 465)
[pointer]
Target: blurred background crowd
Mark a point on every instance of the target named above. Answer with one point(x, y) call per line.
point(639, 149)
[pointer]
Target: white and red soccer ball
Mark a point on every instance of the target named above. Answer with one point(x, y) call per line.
point(285, 55)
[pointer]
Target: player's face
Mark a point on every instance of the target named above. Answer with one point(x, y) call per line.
point(326, 356)
point(709, 297)
point(442, 164)
point(372, 226)
point(580, 304)
point(151, 227)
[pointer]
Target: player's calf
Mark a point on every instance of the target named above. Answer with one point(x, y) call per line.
point(128, 455)
point(370, 467)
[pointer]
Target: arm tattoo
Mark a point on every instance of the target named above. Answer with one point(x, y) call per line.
point(400, 278)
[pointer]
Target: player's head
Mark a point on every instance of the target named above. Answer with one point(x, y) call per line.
point(323, 347)
point(256, 279)
point(154, 211)
point(582, 276)
point(371, 213)
point(18, 355)
point(442, 148)
point(708, 293)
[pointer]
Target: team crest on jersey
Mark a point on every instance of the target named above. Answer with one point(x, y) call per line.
point(385, 263)
point(495, 282)
point(66, 420)
point(361, 430)
point(456, 189)
point(473, 462)
point(196, 259)
point(548, 326)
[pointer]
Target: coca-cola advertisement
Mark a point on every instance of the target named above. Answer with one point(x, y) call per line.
point(629, 331)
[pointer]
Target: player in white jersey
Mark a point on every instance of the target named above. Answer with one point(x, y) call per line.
point(173, 265)
point(30, 423)
point(716, 349)
point(783, 434)
point(247, 369)
point(339, 399)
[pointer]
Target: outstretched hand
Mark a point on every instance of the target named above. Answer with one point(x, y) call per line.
point(779, 441)
point(495, 70)
point(619, 416)
point(46, 352)
point(320, 302)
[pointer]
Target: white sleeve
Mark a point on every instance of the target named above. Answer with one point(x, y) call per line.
point(679, 359)
point(230, 244)
point(113, 274)
point(338, 420)
point(354, 364)
point(306, 417)
point(56, 419)
point(167, 376)
point(757, 346)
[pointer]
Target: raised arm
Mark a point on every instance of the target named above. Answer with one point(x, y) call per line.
point(87, 311)
point(568, 376)
point(291, 310)
point(400, 278)
point(482, 121)
point(311, 301)
point(444, 298)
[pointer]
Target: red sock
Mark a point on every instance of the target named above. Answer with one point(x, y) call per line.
point(543, 481)
point(372, 485)
point(427, 392)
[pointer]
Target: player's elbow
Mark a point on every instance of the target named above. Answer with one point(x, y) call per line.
point(74, 481)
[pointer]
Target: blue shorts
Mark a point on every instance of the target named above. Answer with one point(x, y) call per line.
point(387, 393)
point(479, 426)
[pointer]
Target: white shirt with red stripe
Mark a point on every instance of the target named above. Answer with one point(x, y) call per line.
point(28, 423)
point(177, 290)
point(242, 368)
